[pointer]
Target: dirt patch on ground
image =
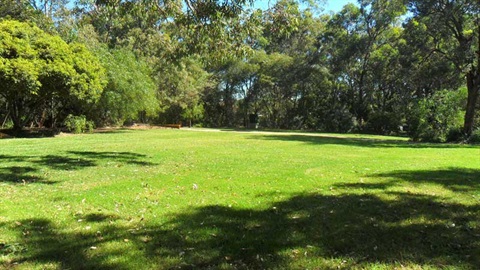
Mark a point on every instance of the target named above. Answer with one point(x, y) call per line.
point(133, 127)
point(140, 126)
point(64, 134)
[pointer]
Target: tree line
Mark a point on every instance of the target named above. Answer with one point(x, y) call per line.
point(377, 66)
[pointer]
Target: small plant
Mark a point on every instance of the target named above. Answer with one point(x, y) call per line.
point(78, 124)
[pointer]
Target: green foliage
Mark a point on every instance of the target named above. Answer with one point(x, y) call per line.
point(88, 81)
point(181, 86)
point(475, 137)
point(454, 32)
point(361, 42)
point(78, 124)
point(456, 134)
point(281, 22)
point(384, 122)
point(24, 11)
point(193, 113)
point(275, 88)
point(366, 68)
point(130, 89)
point(36, 67)
point(434, 118)
point(334, 119)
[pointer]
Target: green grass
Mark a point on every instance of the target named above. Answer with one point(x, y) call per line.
point(163, 199)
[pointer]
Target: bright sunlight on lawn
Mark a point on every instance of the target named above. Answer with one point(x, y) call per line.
point(162, 199)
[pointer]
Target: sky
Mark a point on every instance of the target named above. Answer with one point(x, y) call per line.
point(336, 5)
point(331, 5)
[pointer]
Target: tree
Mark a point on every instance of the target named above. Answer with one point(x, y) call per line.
point(117, 21)
point(130, 93)
point(455, 27)
point(14, 9)
point(355, 39)
point(214, 28)
point(130, 90)
point(22, 10)
point(275, 92)
point(271, 80)
point(51, 8)
point(38, 69)
point(181, 86)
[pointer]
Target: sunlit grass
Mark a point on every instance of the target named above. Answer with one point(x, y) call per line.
point(160, 199)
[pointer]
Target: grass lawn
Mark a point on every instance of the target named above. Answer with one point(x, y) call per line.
point(168, 199)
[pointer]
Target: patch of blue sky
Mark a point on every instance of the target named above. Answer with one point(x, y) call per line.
point(330, 5)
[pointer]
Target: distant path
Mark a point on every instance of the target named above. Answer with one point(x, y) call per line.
point(311, 134)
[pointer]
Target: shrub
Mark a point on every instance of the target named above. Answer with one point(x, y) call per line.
point(334, 119)
point(78, 124)
point(384, 122)
point(435, 119)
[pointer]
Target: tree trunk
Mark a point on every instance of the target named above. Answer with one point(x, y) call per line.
point(473, 87)
point(5, 120)
point(16, 117)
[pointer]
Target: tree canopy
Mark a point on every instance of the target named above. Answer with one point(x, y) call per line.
point(370, 67)
point(38, 69)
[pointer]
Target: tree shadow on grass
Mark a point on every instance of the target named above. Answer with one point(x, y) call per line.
point(26, 169)
point(22, 175)
point(305, 231)
point(45, 243)
point(361, 229)
point(99, 217)
point(455, 179)
point(320, 139)
point(67, 163)
point(122, 157)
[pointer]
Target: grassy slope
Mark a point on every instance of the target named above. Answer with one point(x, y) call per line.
point(156, 199)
